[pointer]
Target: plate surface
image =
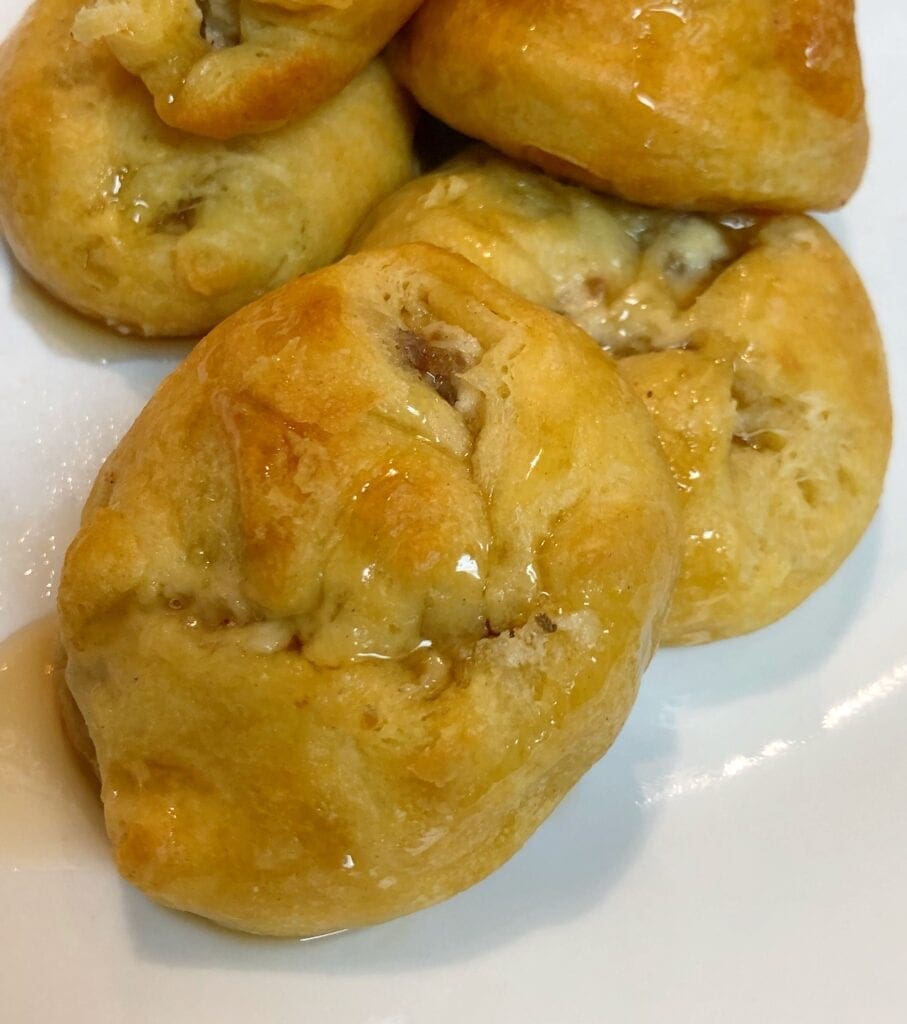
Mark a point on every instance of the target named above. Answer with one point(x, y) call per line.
point(738, 856)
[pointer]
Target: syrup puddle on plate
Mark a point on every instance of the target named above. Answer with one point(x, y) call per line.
point(50, 814)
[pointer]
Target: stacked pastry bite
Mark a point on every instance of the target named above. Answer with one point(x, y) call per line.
point(748, 336)
point(374, 577)
point(160, 232)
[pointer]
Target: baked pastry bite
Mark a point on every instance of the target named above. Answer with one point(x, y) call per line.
point(366, 588)
point(223, 68)
point(750, 339)
point(161, 233)
point(684, 103)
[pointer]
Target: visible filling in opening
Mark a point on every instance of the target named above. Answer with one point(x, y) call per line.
point(220, 22)
point(760, 420)
point(679, 259)
point(438, 367)
point(179, 219)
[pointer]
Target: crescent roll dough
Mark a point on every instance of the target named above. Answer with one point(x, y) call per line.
point(162, 233)
point(750, 339)
point(366, 588)
point(694, 104)
point(230, 67)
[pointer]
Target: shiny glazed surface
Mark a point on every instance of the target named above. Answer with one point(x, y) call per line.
point(160, 233)
point(682, 103)
point(750, 339)
point(223, 68)
point(737, 856)
point(368, 586)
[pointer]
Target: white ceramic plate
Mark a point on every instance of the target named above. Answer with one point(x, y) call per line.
point(737, 857)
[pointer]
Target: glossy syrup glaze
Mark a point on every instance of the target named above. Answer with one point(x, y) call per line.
point(742, 333)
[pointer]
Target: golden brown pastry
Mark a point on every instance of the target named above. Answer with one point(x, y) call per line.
point(695, 104)
point(367, 587)
point(162, 233)
point(749, 338)
point(230, 67)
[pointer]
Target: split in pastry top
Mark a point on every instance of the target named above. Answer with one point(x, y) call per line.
point(368, 585)
point(162, 233)
point(223, 68)
point(750, 339)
